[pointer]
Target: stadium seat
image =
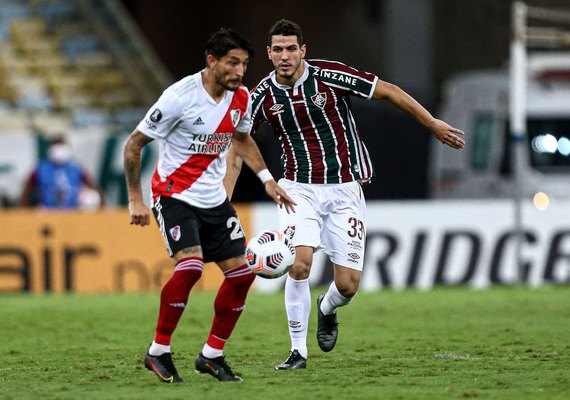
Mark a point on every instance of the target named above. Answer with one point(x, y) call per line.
point(56, 12)
point(14, 122)
point(80, 44)
point(86, 117)
point(129, 116)
point(59, 73)
point(31, 92)
point(50, 124)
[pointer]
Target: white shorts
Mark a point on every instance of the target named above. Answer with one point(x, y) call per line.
point(329, 217)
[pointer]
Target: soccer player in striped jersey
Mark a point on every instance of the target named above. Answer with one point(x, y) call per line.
point(325, 163)
point(195, 120)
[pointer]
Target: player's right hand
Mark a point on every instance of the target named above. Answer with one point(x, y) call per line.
point(280, 196)
point(140, 213)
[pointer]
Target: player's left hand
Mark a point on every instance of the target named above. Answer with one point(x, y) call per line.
point(447, 134)
point(280, 196)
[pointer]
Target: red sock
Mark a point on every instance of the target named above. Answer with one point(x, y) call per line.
point(174, 296)
point(229, 304)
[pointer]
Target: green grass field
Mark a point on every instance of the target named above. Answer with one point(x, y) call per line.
point(448, 343)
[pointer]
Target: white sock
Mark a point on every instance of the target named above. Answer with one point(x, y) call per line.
point(210, 352)
point(298, 307)
point(156, 349)
point(333, 299)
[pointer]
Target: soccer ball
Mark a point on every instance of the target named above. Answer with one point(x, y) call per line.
point(270, 254)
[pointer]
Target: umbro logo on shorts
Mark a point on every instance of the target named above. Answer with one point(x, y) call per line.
point(353, 257)
point(198, 121)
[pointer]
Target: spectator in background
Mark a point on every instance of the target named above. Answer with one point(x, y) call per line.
point(59, 182)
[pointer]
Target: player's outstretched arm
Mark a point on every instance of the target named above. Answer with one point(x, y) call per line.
point(140, 213)
point(442, 131)
point(245, 147)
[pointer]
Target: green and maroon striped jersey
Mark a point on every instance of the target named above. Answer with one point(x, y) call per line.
point(320, 141)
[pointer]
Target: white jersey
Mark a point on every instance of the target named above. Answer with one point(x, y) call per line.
point(195, 135)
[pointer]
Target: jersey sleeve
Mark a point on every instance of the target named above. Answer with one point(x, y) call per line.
point(345, 79)
point(257, 96)
point(245, 123)
point(162, 116)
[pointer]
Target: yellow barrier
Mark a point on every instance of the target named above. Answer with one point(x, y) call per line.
point(59, 251)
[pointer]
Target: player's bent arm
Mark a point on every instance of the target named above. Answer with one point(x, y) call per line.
point(234, 163)
point(246, 148)
point(140, 213)
point(440, 129)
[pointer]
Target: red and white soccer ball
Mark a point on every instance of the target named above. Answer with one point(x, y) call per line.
point(270, 254)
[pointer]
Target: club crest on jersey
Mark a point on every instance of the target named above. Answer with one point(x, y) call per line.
point(156, 115)
point(235, 116)
point(319, 99)
point(175, 233)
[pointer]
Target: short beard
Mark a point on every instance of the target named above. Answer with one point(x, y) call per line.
point(231, 88)
point(226, 84)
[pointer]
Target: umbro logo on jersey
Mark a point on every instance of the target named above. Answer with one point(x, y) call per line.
point(276, 109)
point(198, 121)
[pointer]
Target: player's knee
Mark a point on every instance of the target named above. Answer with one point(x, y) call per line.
point(300, 270)
point(349, 292)
point(242, 282)
point(248, 280)
point(348, 289)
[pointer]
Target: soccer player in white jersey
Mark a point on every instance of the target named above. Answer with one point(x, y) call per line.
point(325, 163)
point(195, 120)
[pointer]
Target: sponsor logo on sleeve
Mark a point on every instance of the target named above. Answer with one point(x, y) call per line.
point(156, 115)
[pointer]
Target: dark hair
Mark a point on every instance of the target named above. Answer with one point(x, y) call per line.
point(224, 40)
point(285, 27)
point(57, 139)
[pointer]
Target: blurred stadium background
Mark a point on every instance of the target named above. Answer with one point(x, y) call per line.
point(91, 68)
